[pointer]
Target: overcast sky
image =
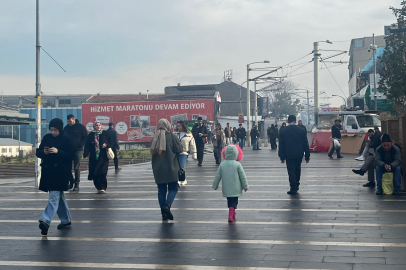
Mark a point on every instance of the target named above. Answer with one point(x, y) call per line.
point(125, 46)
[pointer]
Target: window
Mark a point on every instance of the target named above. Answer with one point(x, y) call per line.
point(4, 150)
point(351, 121)
point(17, 150)
point(10, 150)
point(368, 121)
point(64, 101)
point(359, 43)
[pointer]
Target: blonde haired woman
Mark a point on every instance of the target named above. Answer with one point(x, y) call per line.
point(188, 144)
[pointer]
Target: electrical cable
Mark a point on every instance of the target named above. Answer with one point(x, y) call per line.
point(334, 79)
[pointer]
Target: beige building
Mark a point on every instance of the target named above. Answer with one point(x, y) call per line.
point(360, 56)
point(11, 147)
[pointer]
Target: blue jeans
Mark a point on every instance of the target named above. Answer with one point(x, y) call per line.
point(182, 161)
point(56, 204)
point(171, 189)
point(397, 177)
point(254, 143)
point(241, 142)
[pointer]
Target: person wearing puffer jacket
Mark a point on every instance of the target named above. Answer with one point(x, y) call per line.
point(189, 147)
point(233, 176)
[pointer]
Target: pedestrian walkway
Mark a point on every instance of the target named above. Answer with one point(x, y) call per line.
point(333, 223)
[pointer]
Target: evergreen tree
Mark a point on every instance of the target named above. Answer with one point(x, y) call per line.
point(393, 63)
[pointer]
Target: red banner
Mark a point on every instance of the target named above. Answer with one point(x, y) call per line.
point(138, 121)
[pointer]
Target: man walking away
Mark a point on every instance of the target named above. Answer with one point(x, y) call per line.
point(228, 131)
point(335, 134)
point(388, 159)
point(273, 135)
point(241, 136)
point(200, 133)
point(78, 134)
point(374, 142)
point(115, 146)
point(292, 145)
point(254, 137)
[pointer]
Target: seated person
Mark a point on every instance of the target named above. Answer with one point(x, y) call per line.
point(374, 142)
point(388, 159)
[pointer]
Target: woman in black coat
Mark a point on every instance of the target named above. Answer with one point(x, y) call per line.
point(56, 152)
point(97, 143)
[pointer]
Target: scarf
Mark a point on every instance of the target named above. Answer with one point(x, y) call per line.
point(158, 144)
point(97, 139)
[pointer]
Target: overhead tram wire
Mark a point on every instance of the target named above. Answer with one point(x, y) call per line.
point(313, 71)
point(334, 79)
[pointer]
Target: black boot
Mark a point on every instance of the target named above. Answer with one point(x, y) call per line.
point(338, 153)
point(168, 211)
point(43, 227)
point(76, 187)
point(163, 213)
point(360, 172)
point(369, 184)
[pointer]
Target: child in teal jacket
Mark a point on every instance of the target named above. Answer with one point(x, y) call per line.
point(233, 176)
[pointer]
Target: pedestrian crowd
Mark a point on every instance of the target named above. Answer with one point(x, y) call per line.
point(65, 146)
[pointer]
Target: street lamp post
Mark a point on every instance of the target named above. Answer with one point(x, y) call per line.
point(345, 101)
point(316, 57)
point(38, 96)
point(249, 100)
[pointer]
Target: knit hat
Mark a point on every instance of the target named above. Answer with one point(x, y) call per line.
point(56, 123)
point(386, 138)
point(111, 124)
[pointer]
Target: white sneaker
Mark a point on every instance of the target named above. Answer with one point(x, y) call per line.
point(184, 183)
point(361, 164)
point(360, 158)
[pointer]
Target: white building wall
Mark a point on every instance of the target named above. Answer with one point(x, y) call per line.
point(12, 151)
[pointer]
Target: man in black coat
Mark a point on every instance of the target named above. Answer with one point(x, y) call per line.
point(293, 145)
point(115, 146)
point(388, 159)
point(335, 134)
point(241, 136)
point(200, 133)
point(254, 137)
point(56, 154)
point(78, 134)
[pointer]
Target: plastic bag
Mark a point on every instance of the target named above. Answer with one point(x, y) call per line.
point(110, 154)
point(387, 183)
point(337, 144)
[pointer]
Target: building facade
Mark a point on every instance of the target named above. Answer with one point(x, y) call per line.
point(233, 96)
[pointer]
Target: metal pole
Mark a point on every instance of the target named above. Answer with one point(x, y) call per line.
point(374, 53)
point(308, 108)
point(256, 103)
point(248, 106)
point(19, 140)
point(38, 107)
point(316, 82)
point(12, 132)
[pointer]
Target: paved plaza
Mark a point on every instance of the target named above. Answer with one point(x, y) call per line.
point(333, 223)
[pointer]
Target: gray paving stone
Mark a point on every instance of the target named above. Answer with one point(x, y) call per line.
point(257, 164)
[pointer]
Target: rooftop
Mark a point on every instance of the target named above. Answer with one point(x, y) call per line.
point(12, 142)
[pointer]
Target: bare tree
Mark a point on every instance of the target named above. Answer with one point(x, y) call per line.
point(281, 103)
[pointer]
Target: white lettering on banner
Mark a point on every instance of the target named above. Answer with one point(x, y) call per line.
point(188, 106)
point(148, 107)
point(102, 109)
point(164, 107)
point(131, 108)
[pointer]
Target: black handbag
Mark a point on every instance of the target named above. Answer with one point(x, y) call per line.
point(181, 175)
